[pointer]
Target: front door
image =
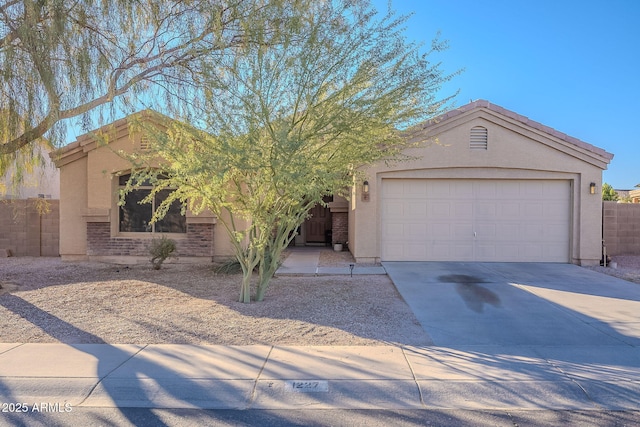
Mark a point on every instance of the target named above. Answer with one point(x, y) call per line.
point(317, 224)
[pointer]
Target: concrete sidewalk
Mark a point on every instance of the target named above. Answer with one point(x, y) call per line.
point(305, 261)
point(291, 377)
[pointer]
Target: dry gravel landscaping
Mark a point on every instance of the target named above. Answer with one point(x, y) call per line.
point(628, 268)
point(47, 300)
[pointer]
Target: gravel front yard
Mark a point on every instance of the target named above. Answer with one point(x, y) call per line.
point(46, 300)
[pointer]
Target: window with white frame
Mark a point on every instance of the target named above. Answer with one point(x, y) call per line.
point(135, 217)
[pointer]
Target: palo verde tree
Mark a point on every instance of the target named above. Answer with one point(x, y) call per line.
point(290, 118)
point(61, 59)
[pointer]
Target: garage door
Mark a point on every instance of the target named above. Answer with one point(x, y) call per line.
point(475, 220)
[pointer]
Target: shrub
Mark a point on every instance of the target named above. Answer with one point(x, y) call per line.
point(160, 250)
point(231, 266)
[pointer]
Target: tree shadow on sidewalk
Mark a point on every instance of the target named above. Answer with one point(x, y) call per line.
point(140, 383)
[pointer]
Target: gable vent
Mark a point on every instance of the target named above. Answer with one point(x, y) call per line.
point(145, 144)
point(479, 138)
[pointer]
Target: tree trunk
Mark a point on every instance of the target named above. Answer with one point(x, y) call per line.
point(269, 266)
point(248, 260)
point(266, 274)
point(245, 288)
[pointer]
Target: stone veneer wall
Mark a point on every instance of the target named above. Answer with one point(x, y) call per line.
point(621, 228)
point(25, 231)
point(198, 242)
point(339, 227)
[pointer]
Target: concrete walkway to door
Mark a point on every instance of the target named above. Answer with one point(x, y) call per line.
point(306, 260)
point(529, 328)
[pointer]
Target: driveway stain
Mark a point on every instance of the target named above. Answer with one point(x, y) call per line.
point(474, 295)
point(460, 278)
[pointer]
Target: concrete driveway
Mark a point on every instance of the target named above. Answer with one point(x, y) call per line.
point(517, 332)
point(513, 304)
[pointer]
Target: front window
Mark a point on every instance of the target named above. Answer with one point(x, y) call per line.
point(136, 217)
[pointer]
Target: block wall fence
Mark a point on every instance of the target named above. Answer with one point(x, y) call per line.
point(26, 230)
point(621, 228)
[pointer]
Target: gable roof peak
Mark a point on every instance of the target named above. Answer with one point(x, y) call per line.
point(523, 120)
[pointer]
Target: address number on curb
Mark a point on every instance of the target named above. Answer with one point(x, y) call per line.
point(313, 386)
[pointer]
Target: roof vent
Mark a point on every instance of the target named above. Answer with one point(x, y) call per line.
point(145, 144)
point(479, 138)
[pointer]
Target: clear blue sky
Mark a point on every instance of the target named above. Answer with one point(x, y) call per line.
point(573, 65)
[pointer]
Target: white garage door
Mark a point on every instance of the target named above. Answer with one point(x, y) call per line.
point(475, 220)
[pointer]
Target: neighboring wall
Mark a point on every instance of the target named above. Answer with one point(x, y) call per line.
point(27, 232)
point(621, 226)
point(43, 181)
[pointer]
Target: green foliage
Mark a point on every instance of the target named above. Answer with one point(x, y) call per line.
point(608, 193)
point(160, 250)
point(231, 266)
point(87, 59)
point(19, 164)
point(320, 90)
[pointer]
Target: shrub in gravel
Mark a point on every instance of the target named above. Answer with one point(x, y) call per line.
point(160, 250)
point(231, 266)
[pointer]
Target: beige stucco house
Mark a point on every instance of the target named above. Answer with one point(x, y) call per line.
point(496, 187)
point(486, 184)
point(94, 226)
point(634, 195)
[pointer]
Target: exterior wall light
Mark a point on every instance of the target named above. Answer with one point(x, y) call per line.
point(365, 191)
point(592, 188)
